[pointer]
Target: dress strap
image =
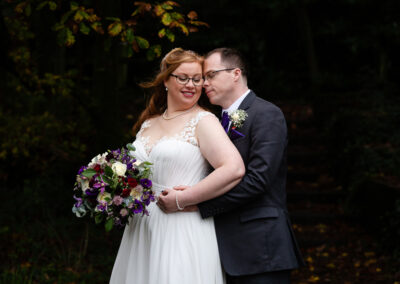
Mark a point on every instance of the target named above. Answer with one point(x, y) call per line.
point(188, 133)
point(144, 125)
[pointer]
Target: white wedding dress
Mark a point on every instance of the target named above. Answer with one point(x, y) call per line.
point(176, 248)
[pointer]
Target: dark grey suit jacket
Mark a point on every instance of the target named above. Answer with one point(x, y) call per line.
point(252, 224)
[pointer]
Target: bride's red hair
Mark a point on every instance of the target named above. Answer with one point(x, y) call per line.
point(158, 100)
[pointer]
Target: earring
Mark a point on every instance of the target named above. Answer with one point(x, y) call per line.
point(166, 89)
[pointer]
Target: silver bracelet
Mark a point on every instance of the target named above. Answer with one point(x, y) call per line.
point(177, 203)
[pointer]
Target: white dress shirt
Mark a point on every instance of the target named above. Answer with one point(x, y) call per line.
point(237, 103)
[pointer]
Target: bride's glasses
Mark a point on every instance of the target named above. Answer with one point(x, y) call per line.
point(183, 80)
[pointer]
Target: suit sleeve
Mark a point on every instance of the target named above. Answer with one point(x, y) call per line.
point(267, 149)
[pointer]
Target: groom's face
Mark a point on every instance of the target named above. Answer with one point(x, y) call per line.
point(218, 83)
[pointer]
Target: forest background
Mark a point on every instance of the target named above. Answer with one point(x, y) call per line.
point(69, 90)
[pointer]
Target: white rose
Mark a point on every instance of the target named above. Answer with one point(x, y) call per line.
point(119, 168)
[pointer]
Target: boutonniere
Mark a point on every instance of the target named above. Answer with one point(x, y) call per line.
point(237, 119)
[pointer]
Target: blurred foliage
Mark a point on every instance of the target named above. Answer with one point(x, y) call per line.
point(49, 109)
point(68, 91)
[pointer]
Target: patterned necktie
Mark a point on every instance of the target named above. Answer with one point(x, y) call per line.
point(225, 121)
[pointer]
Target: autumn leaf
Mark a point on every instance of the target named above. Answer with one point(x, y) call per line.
point(184, 29)
point(170, 35)
point(161, 33)
point(158, 10)
point(84, 29)
point(192, 15)
point(129, 36)
point(166, 19)
point(114, 28)
point(142, 42)
point(171, 3)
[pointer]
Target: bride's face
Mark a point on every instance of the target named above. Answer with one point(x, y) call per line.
point(184, 85)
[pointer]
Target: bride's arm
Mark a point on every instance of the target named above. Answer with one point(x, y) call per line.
point(223, 156)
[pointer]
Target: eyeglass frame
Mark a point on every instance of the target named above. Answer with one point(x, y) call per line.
point(215, 72)
point(188, 80)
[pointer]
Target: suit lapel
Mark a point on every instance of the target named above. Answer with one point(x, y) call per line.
point(247, 101)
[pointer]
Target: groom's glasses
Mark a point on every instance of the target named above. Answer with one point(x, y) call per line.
point(210, 75)
point(183, 80)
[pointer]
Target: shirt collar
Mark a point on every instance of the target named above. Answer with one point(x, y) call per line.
point(237, 103)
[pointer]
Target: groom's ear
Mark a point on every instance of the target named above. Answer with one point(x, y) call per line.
point(237, 74)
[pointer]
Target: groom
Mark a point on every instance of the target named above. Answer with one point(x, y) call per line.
point(255, 238)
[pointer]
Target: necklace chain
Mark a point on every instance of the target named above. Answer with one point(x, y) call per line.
point(169, 118)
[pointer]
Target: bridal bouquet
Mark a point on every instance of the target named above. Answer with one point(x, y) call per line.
point(113, 187)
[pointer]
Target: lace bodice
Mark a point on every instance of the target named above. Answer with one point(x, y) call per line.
point(188, 133)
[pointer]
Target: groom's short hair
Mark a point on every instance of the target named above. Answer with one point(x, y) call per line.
point(231, 58)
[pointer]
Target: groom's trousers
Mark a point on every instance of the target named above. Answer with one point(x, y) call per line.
point(275, 277)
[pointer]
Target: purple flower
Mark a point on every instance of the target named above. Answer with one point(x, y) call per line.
point(147, 197)
point(78, 201)
point(137, 207)
point(91, 192)
point(101, 186)
point(109, 157)
point(82, 169)
point(146, 183)
point(102, 206)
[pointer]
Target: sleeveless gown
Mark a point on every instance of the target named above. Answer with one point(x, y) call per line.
point(177, 247)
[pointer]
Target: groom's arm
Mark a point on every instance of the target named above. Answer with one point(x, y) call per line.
point(267, 149)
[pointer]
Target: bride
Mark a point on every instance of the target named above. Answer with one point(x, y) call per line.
point(182, 140)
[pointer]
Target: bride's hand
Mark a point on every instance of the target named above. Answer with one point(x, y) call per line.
point(167, 201)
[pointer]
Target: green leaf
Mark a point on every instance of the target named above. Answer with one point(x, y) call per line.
point(89, 173)
point(58, 27)
point(108, 171)
point(98, 218)
point(142, 42)
point(129, 51)
point(114, 19)
point(65, 17)
point(130, 147)
point(52, 5)
point(170, 35)
point(157, 50)
point(107, 180)
point(109, 224)
point(184, 29)
point(130, 36)
point(115, 28)
point(74, 6)
point(161, 33)
point(41, 5)
point(167, 7)
point(137, 11)
point(84, 29)
point(65, 37)
point(166, 19)
point(177, 16)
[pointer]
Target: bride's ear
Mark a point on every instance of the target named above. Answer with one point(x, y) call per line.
point(166, 86)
